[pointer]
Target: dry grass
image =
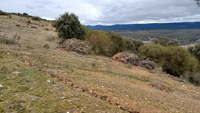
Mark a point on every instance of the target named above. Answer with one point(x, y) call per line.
point(121, 84)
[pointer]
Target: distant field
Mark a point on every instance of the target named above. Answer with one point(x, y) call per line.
point(185, 36)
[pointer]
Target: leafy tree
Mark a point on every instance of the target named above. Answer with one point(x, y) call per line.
point(68, 26)
point(166, 41)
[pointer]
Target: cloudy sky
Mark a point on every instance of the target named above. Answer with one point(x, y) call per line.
point(108, 12)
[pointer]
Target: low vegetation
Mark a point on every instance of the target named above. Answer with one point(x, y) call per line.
point(164, 41)
point(173, 60)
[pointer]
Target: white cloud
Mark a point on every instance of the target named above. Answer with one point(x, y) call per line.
point(109, 11)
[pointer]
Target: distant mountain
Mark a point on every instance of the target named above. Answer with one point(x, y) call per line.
point(154, 26)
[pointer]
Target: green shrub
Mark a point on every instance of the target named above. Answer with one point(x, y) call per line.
point(137, 43)
point(173, 60)
point(25, 14)
point(178, 61)
point(129, 45)
point(153, 52)
point(3, 13)
point(164, 41)
point(195, 51)
point(192, 77)
point(68, 26)
point(118, 43)
point(100, 42)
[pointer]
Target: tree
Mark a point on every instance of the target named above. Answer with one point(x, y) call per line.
point(68, 26)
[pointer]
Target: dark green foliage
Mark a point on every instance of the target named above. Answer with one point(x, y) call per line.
point(3, 13)
point(118, 43)
point(25, 14)
point(137, 44)
point(178, 61)
point(68, 26)
point(195, 51)
point(192, 77)
point(153, 52)
point(129, 45)
point(173, 60)
point(164, 41)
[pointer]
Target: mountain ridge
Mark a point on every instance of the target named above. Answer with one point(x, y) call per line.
point(152, 26)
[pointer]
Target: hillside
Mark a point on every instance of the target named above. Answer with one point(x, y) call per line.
point(37, 79)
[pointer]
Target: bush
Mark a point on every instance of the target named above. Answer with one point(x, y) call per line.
point(137, 43)
point(68, 26)
point(118, 43)
point(3, 13)
point(155, 53)
point(192, 77)
point(195, 51)
point(173, 60)
point(129, 45)
point(100, 42)
point(164, 41)
point(6, 40)
point(25, 14)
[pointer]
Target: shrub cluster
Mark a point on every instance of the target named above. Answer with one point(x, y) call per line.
point(3, 13)
point(195, 51)
point(173, 60)
point(108, 44)
point(192, 77)
point(164, 41)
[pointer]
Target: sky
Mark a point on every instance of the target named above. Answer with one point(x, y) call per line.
point(109, 12)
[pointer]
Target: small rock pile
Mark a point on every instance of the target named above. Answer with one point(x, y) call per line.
point(133, 59)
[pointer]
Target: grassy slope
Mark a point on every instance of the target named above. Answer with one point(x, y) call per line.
point(122, 84)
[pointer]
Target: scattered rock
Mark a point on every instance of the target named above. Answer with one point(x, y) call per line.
point(63, 98)
point(104, 97)
point(46, 46)
point(49, 81)
point(16, 73)
point(1, 86)
point(133, 59)
point(120, 57)
point(157, 85)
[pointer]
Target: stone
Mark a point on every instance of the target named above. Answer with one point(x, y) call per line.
point(1, 86)
point(120, 57)
point(49, 81)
